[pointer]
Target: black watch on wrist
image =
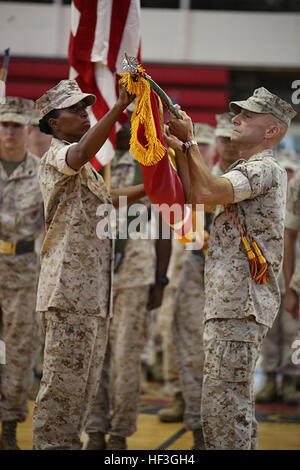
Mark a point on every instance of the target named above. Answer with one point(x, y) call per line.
point(162, 280)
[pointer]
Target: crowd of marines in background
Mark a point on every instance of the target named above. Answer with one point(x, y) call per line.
point(153, 324)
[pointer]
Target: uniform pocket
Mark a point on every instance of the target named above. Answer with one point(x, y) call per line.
point(231, 361)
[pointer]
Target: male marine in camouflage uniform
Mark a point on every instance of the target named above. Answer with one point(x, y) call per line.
point(277, 349)
point(291, 265)
point(238, 311)
point(129, 331)
point(188, 323)
point(21, 221)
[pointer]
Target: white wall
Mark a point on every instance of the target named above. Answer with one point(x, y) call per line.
point(202, 37)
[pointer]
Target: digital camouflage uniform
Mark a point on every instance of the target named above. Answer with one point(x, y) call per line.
point(21, 218)
point(165, 319)
point(238, 311)
point(292, 222)
point(21, 221)
point(276, 349)
point(73, 297)
point(129, 329)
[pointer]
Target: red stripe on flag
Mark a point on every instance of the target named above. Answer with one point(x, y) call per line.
point(96, 164)
point(83, 42)
point(119, 15)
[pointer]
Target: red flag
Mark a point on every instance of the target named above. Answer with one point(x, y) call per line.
point(101, 32)
point(162, 183)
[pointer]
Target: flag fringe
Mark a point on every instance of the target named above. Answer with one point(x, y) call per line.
point(154, 151)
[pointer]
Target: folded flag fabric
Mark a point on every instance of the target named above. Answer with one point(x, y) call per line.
point(147, 145)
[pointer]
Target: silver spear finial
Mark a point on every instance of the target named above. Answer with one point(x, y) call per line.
point(130, 64)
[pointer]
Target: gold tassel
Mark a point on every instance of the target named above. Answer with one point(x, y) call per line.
point(261, 276)
point(155, 150)
point(251, 257)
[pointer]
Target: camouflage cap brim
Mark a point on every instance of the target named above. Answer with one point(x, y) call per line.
point(86, 97)
point(236, 106)
point(75, 98)
point(264, 102)
point(14, 117)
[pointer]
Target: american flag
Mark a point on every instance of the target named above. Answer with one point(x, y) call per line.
point(101, 32)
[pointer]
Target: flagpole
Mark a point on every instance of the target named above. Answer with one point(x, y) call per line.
point(106, 175)
point(3, 75)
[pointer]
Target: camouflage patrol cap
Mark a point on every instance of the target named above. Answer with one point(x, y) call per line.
point(288, 159)
point(204, 133)
point(263, 101)
point(224, 125)
point(66, 93)
point(16, 110)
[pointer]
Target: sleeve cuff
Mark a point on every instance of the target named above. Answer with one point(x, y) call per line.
point(241, 186)
point(292, 221)
point(61, 162)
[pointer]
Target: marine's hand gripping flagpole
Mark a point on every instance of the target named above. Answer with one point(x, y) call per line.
point(147, 145)
point(3, 75)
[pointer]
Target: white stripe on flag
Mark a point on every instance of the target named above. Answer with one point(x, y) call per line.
point(73, 73)
point(2, 92)
point(131, 36)
point(75, 17)
point(102, 32)
point(105, 80)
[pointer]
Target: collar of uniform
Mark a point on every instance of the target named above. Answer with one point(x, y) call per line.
point(255, 157)
point(56, 141)
point(24, 170)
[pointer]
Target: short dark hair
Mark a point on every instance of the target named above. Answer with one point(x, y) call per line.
point(43, 123)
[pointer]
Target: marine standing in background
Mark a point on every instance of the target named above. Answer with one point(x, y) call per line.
point(38, 142)
point(21, 221)
point(205, 138)
point(277, 348)
point(291, 263)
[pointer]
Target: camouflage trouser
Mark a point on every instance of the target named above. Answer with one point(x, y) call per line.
point(20, 335)
point(276, 350)
point(165, 320)
point(170, 368)
point(128, 335)
point(231, 349)
point(188, 336)
point(73, 358)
